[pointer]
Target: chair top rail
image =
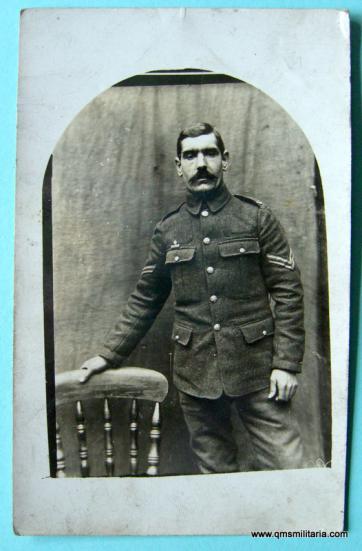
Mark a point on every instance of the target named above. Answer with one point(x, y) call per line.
point(125, 382)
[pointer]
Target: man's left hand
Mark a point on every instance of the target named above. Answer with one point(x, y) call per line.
point(283, 385)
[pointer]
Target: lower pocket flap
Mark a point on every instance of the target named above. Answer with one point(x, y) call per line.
point(180, 255)
point(258, 330)
point(182, 334)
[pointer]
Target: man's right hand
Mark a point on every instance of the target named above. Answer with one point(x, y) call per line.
point(91, 367)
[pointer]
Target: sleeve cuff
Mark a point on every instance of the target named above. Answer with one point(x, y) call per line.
point(286, 365)
point(115, 360)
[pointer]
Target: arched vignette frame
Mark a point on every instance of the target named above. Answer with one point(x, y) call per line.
point(154, 79)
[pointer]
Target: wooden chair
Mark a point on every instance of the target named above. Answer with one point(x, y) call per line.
point(135, 383)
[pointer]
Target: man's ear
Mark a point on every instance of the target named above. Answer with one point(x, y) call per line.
point(225, 160)
point(178, 166)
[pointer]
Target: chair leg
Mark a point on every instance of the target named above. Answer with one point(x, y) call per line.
point(108, 440)
point(155, 437)
point(82, 440)
point(60, 472)
point(133, 430)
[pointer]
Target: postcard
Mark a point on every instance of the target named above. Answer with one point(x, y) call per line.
point(182, 271)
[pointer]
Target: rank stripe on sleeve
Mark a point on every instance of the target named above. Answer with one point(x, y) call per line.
point(280, 261)
point(149, 269)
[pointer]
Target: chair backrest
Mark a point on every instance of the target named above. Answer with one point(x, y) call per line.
point(134, 383)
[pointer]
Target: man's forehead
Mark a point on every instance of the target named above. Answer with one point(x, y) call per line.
point(199, 142)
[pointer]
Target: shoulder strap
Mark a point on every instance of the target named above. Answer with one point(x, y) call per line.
point(250, 200)
point(173, 211)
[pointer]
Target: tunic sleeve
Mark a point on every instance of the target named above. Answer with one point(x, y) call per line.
point(282, 278)
point(143, 305)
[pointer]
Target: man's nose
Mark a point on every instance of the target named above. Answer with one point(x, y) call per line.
point(200, 160)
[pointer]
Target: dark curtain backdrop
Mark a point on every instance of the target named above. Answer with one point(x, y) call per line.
point(114, 178)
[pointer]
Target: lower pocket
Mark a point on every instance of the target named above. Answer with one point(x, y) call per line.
point(181, 334)
point(257, 330)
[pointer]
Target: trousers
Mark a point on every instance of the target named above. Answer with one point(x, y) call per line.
point(271, 425)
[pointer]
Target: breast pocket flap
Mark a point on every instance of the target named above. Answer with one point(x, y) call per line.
point(181, 334)
point(180, 255)
point(239, 247)
point(257, 330)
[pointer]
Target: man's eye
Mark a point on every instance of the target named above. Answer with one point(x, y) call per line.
point(211, 152)
point(189, 155)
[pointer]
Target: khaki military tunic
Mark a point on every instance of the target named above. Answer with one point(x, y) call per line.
point(238, 296)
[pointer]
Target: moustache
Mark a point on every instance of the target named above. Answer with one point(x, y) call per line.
point(202, 174)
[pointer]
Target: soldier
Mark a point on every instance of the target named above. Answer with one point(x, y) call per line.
point(238, 327)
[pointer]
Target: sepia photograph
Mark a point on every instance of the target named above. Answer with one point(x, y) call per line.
point(182, 271)
point(196, 250)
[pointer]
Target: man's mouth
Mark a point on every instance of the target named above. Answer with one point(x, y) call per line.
point(202, 178)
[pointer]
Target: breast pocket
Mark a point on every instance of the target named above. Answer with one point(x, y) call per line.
point(182, 265)
point(240, 265)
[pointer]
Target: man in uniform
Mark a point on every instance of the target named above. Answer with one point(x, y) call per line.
point(238, 327)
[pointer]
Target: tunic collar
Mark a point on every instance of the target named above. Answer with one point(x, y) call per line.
point(214, 200)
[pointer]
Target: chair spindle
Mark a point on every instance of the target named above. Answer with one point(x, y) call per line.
point(133, 430)
point(82, 440)
point(155, 437)
point(108, 440)
point(60, 472)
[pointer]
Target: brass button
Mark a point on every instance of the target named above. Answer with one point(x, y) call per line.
point(177, 337)
point(217, 327)
point(213, 298)
point(242, 250)
point(204, 213)
point(210, 270)
point(264, 332)
point(177, 258)
point(206, 240)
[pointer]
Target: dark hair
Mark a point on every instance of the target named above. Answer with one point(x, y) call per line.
point(198, 130)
